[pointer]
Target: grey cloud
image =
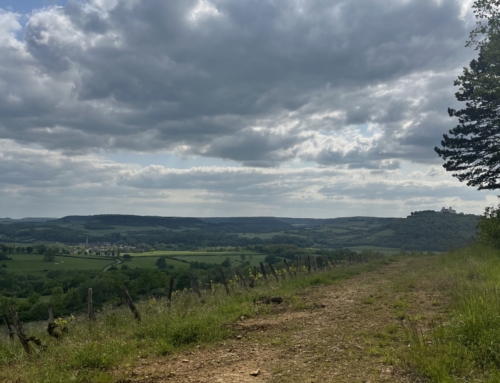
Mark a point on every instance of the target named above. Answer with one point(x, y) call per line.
point(143, 76)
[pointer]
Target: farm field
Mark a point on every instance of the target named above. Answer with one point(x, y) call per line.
point(173, 253)
point(179, 258)
point(149, 262)
point(34, 263)
point(385, 250)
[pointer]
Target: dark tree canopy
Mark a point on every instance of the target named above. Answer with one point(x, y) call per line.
point(472, 149)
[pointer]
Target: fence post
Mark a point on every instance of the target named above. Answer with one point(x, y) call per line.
point(169, 292)
point(7, 327)
point(308, 264)
point(242, 278)
point(90, 309)
point(224, 279)
point(315, 264)
point(288, 269)
point(19, 330)
point(196, 288)
point(273, 272)
point(131, 305)
point(52, 326)
point(263, 269)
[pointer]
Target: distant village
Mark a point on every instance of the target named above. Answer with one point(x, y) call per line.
point(103, 248)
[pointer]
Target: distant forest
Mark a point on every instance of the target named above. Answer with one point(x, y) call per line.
point(425, 231)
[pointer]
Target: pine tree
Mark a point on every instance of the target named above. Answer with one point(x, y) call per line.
point(472, 148)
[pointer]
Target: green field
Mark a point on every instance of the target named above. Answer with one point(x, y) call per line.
point(34, 263)
point(386, 250)
point(176, 258)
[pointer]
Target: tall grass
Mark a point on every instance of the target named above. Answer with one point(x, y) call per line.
point(105, 349)
point(465, 347)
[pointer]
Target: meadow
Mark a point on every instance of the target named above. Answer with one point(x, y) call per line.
point(182, 258)
point(34, 263)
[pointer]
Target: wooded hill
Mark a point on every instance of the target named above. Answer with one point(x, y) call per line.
point(426, 230)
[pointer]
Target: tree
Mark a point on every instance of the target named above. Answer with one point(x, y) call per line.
point(127, 257)
point(272, 259)
point(161, 263)
point(471, 150)
point(489, 227)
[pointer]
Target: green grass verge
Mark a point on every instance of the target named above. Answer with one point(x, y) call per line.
point(465, 346)
point(104, 350)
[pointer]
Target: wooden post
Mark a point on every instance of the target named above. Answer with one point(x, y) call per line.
point(90, 309)
point(308, 264)
point(131, 305)
point(224, 279)
point(273, 272)
point(7, 327)
point(315, 265)
point(263, 269)
point(51, 328)
point(169, 292)
point(196, 288)
point(19, 330)
point(242, 278)
point(288, 269)
point(51, 315)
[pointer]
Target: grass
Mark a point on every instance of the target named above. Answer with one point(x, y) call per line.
point(465, 345)
point(34, 263)
point(179, 258)
point(103, 351)
point(177, 253)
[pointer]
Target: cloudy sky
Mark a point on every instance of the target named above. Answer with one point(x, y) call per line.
point(303, 108)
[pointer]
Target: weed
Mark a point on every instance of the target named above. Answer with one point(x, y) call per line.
point(401, 304)
point(368, 301)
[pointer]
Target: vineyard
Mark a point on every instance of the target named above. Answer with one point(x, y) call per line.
point(87, 347)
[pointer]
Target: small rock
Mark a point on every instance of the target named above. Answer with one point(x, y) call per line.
point(238, 337)
point(255, 373)
point(185, 361)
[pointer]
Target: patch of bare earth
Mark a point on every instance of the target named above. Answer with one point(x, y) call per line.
point(352, 332)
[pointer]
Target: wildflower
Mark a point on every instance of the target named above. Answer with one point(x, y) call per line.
point(60, 322)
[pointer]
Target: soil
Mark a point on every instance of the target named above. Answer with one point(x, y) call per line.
point(350, 332)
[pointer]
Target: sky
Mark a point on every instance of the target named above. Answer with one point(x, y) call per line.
point(291, 108)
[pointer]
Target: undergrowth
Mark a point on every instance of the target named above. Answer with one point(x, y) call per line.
point(106, 349)
point(465, 347)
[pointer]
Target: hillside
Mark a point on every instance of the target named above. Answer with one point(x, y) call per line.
point(334, 323)
point(427, 231)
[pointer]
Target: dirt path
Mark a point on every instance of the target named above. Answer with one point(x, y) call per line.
point(117, 262)
point(352, 333)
